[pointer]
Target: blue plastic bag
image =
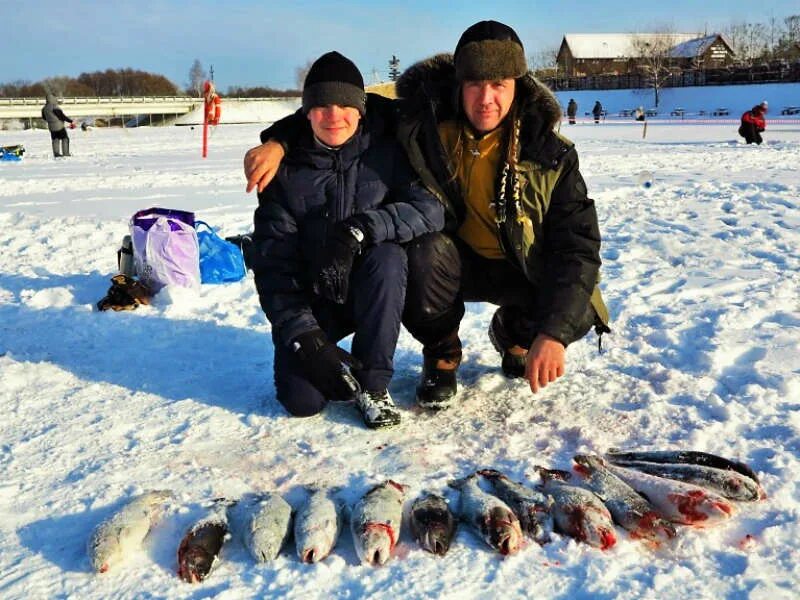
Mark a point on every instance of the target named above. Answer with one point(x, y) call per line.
point(220, 260)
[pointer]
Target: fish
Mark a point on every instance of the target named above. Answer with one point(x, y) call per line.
point(683, 503)
point(200, 547)
point(317, 526)
point(492, 519)
point(433, 524)
point(629, 509)
point(691, 457)
point(268, 527)
point(532, 506)
point(727, 483)
point(125, 530)
point(578, 512)
point(375, 522)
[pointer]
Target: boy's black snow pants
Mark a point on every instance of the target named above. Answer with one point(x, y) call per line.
point(373, 311)
point(444, 272)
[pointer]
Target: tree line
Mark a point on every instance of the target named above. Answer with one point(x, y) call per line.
point(127, 82)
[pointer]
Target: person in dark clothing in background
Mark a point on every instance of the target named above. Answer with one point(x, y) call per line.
point(521, 231)
point(572, 110)
point(597, 111)
point(55, 118)
point(326, 249)
point(753, 123)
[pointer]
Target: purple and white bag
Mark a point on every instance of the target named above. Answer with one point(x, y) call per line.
point(165, 248)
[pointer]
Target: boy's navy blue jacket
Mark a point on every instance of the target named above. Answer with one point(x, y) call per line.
point(315, 187)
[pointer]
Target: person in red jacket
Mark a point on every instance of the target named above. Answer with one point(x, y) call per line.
point(753, 123)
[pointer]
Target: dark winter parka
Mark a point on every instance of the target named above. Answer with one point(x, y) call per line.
point(546, 223)
point(315, 187)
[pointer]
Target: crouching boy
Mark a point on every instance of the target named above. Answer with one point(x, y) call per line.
point(327, 253)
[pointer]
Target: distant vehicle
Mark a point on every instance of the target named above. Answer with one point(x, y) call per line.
point(720, 112)
point(791, 110)
point(678, 112)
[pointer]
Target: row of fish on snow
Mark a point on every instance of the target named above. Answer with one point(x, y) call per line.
point(645, 493)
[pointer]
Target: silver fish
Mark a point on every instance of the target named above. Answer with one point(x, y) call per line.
point(268, 527)
point(317, 526)
point(200, 547)
point(679, 502)
point(492, 518)
point(689, 457)
point(375, 522)
point(730, 484)
point(532, 506)
point(578, 512)
point(125, 530)
point(629, 509)
point(432, 523)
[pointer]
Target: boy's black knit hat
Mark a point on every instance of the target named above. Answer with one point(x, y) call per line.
point(334, 79)
point(489, 50)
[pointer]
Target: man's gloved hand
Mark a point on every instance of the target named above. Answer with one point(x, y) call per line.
point(327, 366)
point(332, 279)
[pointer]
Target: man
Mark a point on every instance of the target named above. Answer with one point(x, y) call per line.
point(572, 110)
point(753, 123)
point(521, 232)
point(55, 118)
point(597, 111)
point(326, 249)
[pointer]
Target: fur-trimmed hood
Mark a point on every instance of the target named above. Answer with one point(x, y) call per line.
point(433, 81)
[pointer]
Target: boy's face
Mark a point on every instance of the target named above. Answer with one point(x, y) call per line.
point(486, 103)
point(333, 124)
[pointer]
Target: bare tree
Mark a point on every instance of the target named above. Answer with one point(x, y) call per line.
point(544, 63)
point(653, 53)
point(197, 75)
point(301, 72)
point(749, 40)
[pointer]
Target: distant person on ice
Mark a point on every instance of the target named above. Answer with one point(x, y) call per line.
point(521, 231)
point(597, 111)
point(326, 249)
point(639, 113)
point(753, 123)
point(55, 118)
point(572, 110)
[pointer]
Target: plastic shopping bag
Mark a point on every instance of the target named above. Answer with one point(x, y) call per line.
point(220, 260)
point(165, 248)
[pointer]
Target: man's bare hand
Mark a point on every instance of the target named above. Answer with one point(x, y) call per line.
point(545, 361)
point(261, 163)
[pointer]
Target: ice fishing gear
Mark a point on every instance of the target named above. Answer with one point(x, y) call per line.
point(12, 153)
point(125, 293)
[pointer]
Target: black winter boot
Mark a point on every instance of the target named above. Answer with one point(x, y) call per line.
point(513, 365)
point(438, 387)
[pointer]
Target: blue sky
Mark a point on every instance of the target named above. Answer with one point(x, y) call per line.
point(262, 42)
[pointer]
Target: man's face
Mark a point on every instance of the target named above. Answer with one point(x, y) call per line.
point(486, 103)
point(333, 124)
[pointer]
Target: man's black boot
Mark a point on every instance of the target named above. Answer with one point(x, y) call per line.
point(438, 387)
point(513, 365)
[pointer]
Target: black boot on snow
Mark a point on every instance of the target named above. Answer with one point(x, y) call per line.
point(513, 365)
point(438, 387)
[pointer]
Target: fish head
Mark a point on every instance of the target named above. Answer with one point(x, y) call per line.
point(436, 539)
point(377, 544)
point(655, 528)
point(587, 463)
point(312, 554)
point(194, 564)
point(504, 531)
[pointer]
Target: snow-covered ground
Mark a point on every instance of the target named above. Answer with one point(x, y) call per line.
point(701, 272)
